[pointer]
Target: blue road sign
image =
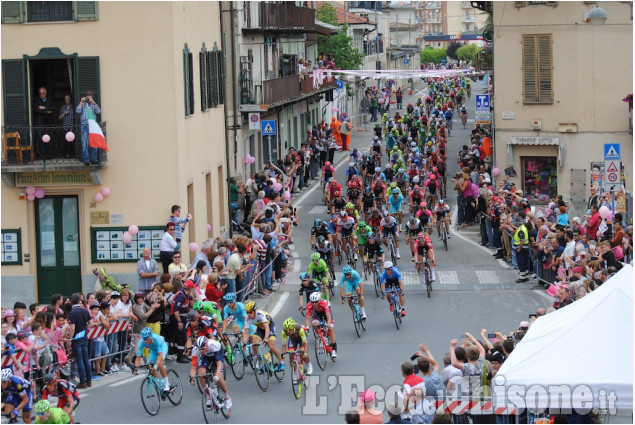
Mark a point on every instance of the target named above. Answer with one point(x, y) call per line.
point(482, 102)
point(406, 61)
point(611, 151)
point(339, 84)
point(268, 128)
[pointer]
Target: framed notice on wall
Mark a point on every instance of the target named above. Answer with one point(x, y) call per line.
point(108, 246)
point(11, 247)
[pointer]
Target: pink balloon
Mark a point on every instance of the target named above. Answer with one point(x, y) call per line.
point(277, 187)
point(70, 136)
point(551, 205)
point(287, 195)
point(98, 197)
point(127, 237)
point(46, 138)
point(604, 211)
point(193, 247)
point(209, 227)
point(105, 191)
point(133, 229)
point(252, 160)
point(30, 190)
point(249, 159)
point(334, 109)
point(30, 198)
point(495, 171)
point(39, 193)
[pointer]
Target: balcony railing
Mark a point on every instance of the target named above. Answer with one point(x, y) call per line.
point(469, 19)
point(433, 20)
point(433, 5)
point(57, 152)
point(279, 90)
point(279, 17)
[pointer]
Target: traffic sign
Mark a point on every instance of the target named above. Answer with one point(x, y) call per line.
point(268, 128)
point(482, 117)
point(339, 84)
point(406, 61)
point(611, 151)
point(482, 102)
point(343, 116)
point(254, 121)
point(612, 171)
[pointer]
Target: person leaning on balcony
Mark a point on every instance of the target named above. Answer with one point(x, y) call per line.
point(85, 104)
point(66, 116)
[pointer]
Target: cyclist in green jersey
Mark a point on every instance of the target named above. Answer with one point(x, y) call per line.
point(208, 308)
point(45, 414)
point(318, 268)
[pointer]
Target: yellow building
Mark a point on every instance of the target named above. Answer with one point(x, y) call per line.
point(559, 82)
point(157, 73)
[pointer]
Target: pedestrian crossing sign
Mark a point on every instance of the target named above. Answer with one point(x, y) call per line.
point(611, 151)
point(268, 128)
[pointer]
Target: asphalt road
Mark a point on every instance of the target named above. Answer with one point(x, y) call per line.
point(472, 292)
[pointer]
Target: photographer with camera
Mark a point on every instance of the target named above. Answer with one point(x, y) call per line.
point(87, 103)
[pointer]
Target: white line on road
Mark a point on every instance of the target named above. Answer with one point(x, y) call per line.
point(125, 381)
point(318, 209)
point(486, 277)
point(279, 304)
point(447, 278)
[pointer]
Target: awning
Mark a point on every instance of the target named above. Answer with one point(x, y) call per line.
point(536, 141)
point(325, 28)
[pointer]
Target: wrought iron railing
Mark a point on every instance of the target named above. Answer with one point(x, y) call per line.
point(56, 151)
point(284, 16)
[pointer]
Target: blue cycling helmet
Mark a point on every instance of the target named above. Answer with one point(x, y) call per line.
point(230, 297)
point(145, 333)
point(347, 269)
point(316, 223)
point(304, 275)
point(370, 235)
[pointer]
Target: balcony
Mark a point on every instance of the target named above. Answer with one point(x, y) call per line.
point(56, 155)
point(469, 19)
point(282, 90)
point(272, 17)
point(433, 5)
point(433, 20)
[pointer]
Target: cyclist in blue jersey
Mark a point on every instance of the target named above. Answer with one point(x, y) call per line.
point(236, 310)
point(17, 395)
point(395, 200)
point(158, 350)
point(391, 279)
point(352, 281)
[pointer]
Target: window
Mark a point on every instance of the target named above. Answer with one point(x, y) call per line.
point(540, 178)
point(48, 11)
point(188, 80)
point(44, 11)
point(212, 78)
point(537, 68)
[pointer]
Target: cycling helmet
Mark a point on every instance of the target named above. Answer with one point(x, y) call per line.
point(198, 306)
point(378, 169)
point(145, 332)
point(441, 201)
point(350, 206)
point(376, 211)
point(409, 139)
point(421, 236)
point(393, 184)
point(334, 218)
point(388, 265)
point(192, 315)
point(371, 235)
point(288, 324)
point(351, 164)
point(435, 169)
point(304, 276)
point(327, 163)
point(314, 297)
point(201, 342)
point(395, 191)
point(315, 256)
point(333, 181)
point(401, 170)
point(375, 137)
point(362, 224)
point(317, 223)
point(415, 179)
point(49, 378)
point(250, 306)
point(355, 149)
point(337, 193)
point(387, 166)
point(321, 239)
point(423, 204)
point(230, 297)
point(41, 406)
point(433, 177)
point(412, 221)
point(347, 269)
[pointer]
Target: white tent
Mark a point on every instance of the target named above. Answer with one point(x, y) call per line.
point(584, 351)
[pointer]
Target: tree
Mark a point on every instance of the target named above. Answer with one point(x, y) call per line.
point(341, 47)
point(452, 48)
point(326, 13)
point(430, 54)
point(467, 53)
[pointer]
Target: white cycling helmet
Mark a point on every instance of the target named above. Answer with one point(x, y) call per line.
point(314, 297)
point(375, 138)
point(388, 265)
point(201, 342)
point(7, 373)
point(351, 164)
point(378, 169)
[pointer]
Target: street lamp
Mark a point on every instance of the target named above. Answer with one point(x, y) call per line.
point(597, 15)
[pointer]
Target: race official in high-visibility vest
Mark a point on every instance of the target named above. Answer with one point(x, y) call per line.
point(521, 245)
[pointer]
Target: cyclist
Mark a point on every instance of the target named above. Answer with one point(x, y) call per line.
point(463, 113)
point(307, 287)
point(351, 211)
point(209, 353)
point(333, 232)
point(262, 328)
point(413, 227)
point(391, 279)
point(361, 235)
point(442, 210)
point(448, 118)
point(345, 227)
point(319, 310)
point(319, 270)
point(379, 188)
point(66, 392)
point(199, 325)
point(375, 219)
point(320, 228)
point(351, 170)
point(236, 310)
point(355, 155)
point(45, 414)
point(158, 350)
point(368, 201)
point(388, 226)
point(333, 187)
point(338, 202)
point(401, 178)
point(325, 249)
point(294, 338)
point(353, 283)
point(17, 395)
point(396, 201)
point(354, 192)
point(376, 149)
point(209, 309)
point(423, 247)
point(416, 197)
point(373, 250)
point(328, 171)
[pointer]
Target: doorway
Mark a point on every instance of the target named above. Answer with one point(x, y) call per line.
point(57, 243)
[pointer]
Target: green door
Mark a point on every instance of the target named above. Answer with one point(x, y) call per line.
point(57, 239)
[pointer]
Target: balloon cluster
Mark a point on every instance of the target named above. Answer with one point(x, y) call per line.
point(249, 159)
point(33, 192)
point(103, 193)
point(133, 229)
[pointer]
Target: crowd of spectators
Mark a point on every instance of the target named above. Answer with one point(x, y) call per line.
point(323, 61)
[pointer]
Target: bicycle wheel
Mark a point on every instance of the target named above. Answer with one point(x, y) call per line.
point(210, 413)
point(338, 248)
point(150, 397)
point(220, 403)
point(176, 389)
point(377, 283)
point(238, 367)
point(429, 288)
point(362, 322)
point(296, 385)
point(356, 321)
point(279, 374)
point(321, 355)
point(262, 375)
point(445, 237)
point(396, 312)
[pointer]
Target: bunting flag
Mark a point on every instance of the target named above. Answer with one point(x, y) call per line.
point(96, 138)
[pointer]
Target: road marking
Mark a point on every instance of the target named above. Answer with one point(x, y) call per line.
point(316, 184)
point(279, 304)
point(487, 277)
point(318, 209)
point(447, 278)
point(125, 381)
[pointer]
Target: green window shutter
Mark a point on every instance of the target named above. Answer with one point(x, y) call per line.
point(12, 12)
point(85, 11)
point(204, 81)
point(221, 77)
point(213, 77)
point(87, 78)
point(186, 82)
point(14, 93)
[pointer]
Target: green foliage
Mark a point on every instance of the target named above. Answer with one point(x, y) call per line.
point(452, 48)
point(430, 54)
point(326, 13)
point(341, 47)
point(467, 53)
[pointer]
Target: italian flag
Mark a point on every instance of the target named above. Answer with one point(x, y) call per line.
point(96, 138)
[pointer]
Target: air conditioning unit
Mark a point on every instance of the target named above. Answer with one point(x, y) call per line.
point(536, 125)
point(519, 4)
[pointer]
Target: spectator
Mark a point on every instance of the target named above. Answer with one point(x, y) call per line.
point(167, 246)
point(368, 415)
point(81, 320)
point(179, 223)
point(148, 270)
point(202, 255)
point(87, 104)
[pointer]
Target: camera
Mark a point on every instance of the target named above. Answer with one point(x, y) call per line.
point(414, 357)
point(490, 336)
point(533, 315)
